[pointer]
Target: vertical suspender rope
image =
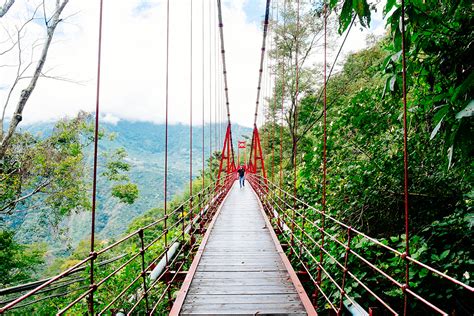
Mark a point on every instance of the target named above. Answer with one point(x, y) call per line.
point(269, 88)
point(323, 200)
point(191, 112)
point(216, 102)
point(165, 224)
point(283, 83)
point(405, 162)
point(263, 99)
point(295, 116)
point(219, 97)
point(203, 101)
point(273, 110)
point(93, 254)
point(210, 90)
point(310, 117)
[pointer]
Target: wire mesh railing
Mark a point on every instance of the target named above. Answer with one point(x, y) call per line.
point(134, 274)
point(342, 266)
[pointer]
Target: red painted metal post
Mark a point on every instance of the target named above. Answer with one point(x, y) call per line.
point(245, 155)
point(225, 157)
point(344, 271)
point(405, 162)
point(144, 275)
point(238, 156)
point(257, 156)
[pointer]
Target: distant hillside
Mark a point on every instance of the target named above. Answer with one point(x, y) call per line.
point(144, 143)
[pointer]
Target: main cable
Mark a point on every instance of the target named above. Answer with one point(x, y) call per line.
point(262, 58)
point(260, 72)
point(224, 70)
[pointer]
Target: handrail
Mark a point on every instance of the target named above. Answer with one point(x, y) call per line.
point(208, 199)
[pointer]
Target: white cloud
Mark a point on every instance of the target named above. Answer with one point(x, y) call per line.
point(109, 118)
point(133, 61)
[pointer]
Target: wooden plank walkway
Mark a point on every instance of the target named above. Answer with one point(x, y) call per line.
point(240, 268)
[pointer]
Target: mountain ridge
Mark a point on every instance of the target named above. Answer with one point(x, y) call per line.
point(144, 143)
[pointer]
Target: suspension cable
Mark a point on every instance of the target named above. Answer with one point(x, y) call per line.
point(191, 110)
point(295, 115)
point(323, 199)
point(283, 84)
point(203, 102)
point(94, 177)
point(310, 116)
point(260, 72)
point(216, 71)
point(262, 57)
point(210, 89)
point(405, 161)
point(224, 71)
point(224, 67)
point(166, 136)
point(273, 110)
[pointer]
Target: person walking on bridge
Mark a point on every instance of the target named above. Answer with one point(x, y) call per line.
point(241, 172)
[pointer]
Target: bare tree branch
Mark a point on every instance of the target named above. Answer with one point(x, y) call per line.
point(13, 203)
point(26, 93)
point(4, 9)
point(20, 72)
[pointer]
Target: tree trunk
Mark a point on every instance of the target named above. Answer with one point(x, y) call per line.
point(26, 93)
point(6, 7)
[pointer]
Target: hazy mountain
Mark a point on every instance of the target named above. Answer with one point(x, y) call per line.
point(144, 143)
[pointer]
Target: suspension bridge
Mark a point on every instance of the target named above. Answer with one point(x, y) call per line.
point(231, 250)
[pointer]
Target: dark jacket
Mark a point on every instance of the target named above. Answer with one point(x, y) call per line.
point(241, 172)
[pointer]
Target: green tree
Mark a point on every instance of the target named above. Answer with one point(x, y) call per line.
point(53, 171)
point(18, 262)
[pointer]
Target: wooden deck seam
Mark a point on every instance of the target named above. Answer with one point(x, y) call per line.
point(240, 268)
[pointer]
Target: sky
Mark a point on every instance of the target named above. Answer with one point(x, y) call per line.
point(133, 82)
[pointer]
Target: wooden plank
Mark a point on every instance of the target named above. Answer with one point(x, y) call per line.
point(241, 261)
point(243, 288)
point(239, 275)
point(243, 298)
point(248, 282)
point(246, 307)
point(257, 290)
point(241, 271)
point(241, 313)
point(230, 268)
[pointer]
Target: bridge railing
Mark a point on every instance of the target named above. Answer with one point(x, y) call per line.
point(342, 264)
point(154, 256)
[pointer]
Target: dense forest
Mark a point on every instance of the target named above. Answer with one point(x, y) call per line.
point(31, 227)
point(365, 139)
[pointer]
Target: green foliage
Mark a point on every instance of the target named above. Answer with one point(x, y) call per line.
point(49, 169)
point(18, 263)
point(365, 153)
point(127, 253)
point(126, 193)
point(116, 170)
point(438, 38)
